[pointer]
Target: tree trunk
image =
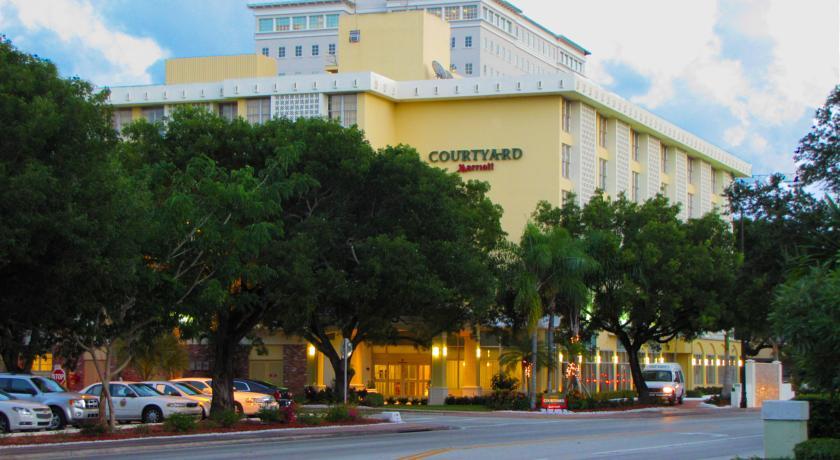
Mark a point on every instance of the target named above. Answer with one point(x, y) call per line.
point(11, 359)
point(338, 369)
point(726, 392)
point(636, 369)
point(224, 347)
point(549, 338)
point(533, 381)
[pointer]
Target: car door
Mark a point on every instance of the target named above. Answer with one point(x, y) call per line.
point(125, 402)
point(21, 389)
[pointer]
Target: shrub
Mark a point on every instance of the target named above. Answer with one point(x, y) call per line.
point(424, 401)
point(403, 401)
point(415, 402)
point(824, 415)
point(374, 400)
point(693, 394)
point(142, 430)
point(341, 413)
point(603, 400)
point(507, 400)
point(94, 429)
point(288, 413)
point(179, 423)
point(225, 418)
point(706, 391)
point(309, 419)
point(818, 449)
point(391, 400)
point(270, 415)
point(502, 382)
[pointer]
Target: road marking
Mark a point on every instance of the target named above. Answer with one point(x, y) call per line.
point(714, 435)
point(427, 454)
point(662, 446)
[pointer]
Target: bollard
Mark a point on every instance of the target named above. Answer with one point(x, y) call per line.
point(785, 426)
point(735, 396)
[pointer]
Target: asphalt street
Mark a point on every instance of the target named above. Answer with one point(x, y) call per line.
point(709, 435)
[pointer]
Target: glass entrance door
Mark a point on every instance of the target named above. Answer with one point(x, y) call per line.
point(402, 380)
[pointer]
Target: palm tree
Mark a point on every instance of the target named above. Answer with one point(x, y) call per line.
point(551, 268)
point(518, 351)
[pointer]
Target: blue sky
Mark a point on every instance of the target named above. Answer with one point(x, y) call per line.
point(746, 75)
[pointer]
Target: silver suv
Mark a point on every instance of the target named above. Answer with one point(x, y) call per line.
point(67, 407)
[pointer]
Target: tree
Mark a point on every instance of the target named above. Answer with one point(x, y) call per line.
point(658, 278)
point(55, 175)
point(384, 247)
point(806, 312)
point(818, 153)
point(166, 355)
point(219, 187)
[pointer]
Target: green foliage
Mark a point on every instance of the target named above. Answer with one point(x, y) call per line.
point(807, 315)
point(142, 430)
point(824, 412)
point(165, 355)
point(603, 400)
point(507, 400)
point(341, 413)
point(180, 423)
point(818, 154)
point(310, 419)
point(502, 381)
point(818, 449)
point(374, 400)
point(225, 418)
point(94, 429)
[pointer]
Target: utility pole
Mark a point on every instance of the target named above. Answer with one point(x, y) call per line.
point(346, 350)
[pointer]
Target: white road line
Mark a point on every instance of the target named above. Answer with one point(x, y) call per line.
point(663, 446)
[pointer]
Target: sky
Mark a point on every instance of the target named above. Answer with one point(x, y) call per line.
point(746, 75)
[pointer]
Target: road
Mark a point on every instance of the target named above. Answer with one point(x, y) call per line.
point(708, 435)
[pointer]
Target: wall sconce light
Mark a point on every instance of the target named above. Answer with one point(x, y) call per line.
point(478, 352)
point(435, 351)
point(311, 350)
point(444, 352)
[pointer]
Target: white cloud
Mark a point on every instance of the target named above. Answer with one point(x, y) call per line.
point(735, 135)
point(78, 24)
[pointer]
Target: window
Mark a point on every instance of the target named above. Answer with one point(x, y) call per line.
point(636, 194)
point(564, 197)
point(567, 116)
point(663, 188)
point(331, 49)
point(259, 110)
point(266, 25)
point(21, 386)
point(714, 181)
point(332, 21)
point(453, 13)
point(316, 22)
point(468, 41)
point(635, 137)
point(240, 386)
point(602, 131)
point(690, 166)
point(265, 51)
point(122, 118)
point(452, 42)
point(299, 23)
point(228, 110)
point(602, 174)
point(283, 24)
point(153, 114)
point(298, 51)
point(281, 52)
point(663, 153)
point(468, 68)
point(470, 12)
point(355, 36)
point(435, 11)
point(43, 363)
point(316, 50)
point(342, 108)
point(690, 205)
point(566, 161)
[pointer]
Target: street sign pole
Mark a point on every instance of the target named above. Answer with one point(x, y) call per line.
point(347, 348)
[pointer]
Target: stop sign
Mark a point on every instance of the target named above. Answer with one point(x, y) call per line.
point(59, 376)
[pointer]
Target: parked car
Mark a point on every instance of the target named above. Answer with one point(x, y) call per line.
point(138, 402)
point(281, 394)
point(665, 381)
point(184, 390)
point(246, 402)
point(67, 407)
point(20, 415)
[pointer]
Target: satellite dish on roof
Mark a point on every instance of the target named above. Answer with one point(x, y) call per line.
point(441, 73)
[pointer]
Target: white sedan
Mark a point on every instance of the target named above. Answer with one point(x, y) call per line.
point(18, 415)
point(136, 401)
point(183, 390)
point(246, 402)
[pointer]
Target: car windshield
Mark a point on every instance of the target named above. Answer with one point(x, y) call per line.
point(264, 385)
point(198, 384)
point(47, 385)
point(144, 390)
point(657, 376)
point(187, 389)
point(5, 396)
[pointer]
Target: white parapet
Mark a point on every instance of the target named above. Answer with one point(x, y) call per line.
point(785, 426)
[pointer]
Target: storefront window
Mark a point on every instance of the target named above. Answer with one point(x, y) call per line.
point(266, 25)
point(342, 108)
point(259, 110)
point(471, 12)
point(453, 13)
point(283, 24)
point(299, 23)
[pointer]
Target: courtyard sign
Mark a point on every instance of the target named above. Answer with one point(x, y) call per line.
point(476, 155)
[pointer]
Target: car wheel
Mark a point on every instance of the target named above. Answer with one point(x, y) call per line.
point(239, 409)
point(58, 420)
point(4, 424)
point(682, 399)
point(152, 414)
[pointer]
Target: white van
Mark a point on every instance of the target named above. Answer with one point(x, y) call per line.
point(665, 381)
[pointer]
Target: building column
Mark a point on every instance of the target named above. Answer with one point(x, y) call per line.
point(311, 365)
point(472, 366)
point(438, 390)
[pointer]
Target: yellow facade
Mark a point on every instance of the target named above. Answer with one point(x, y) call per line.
point(215, 68)
point(400, 46)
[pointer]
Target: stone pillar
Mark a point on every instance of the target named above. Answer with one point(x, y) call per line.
point(472, 367)
point(750, 383)
point(438, 390)
point(785, 426)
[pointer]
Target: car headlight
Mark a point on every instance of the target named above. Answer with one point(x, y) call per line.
point(176, 405)
point(22, 410)
point(668, 390)
point(77, 403)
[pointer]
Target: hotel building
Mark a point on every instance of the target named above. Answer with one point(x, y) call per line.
point(531, 135)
